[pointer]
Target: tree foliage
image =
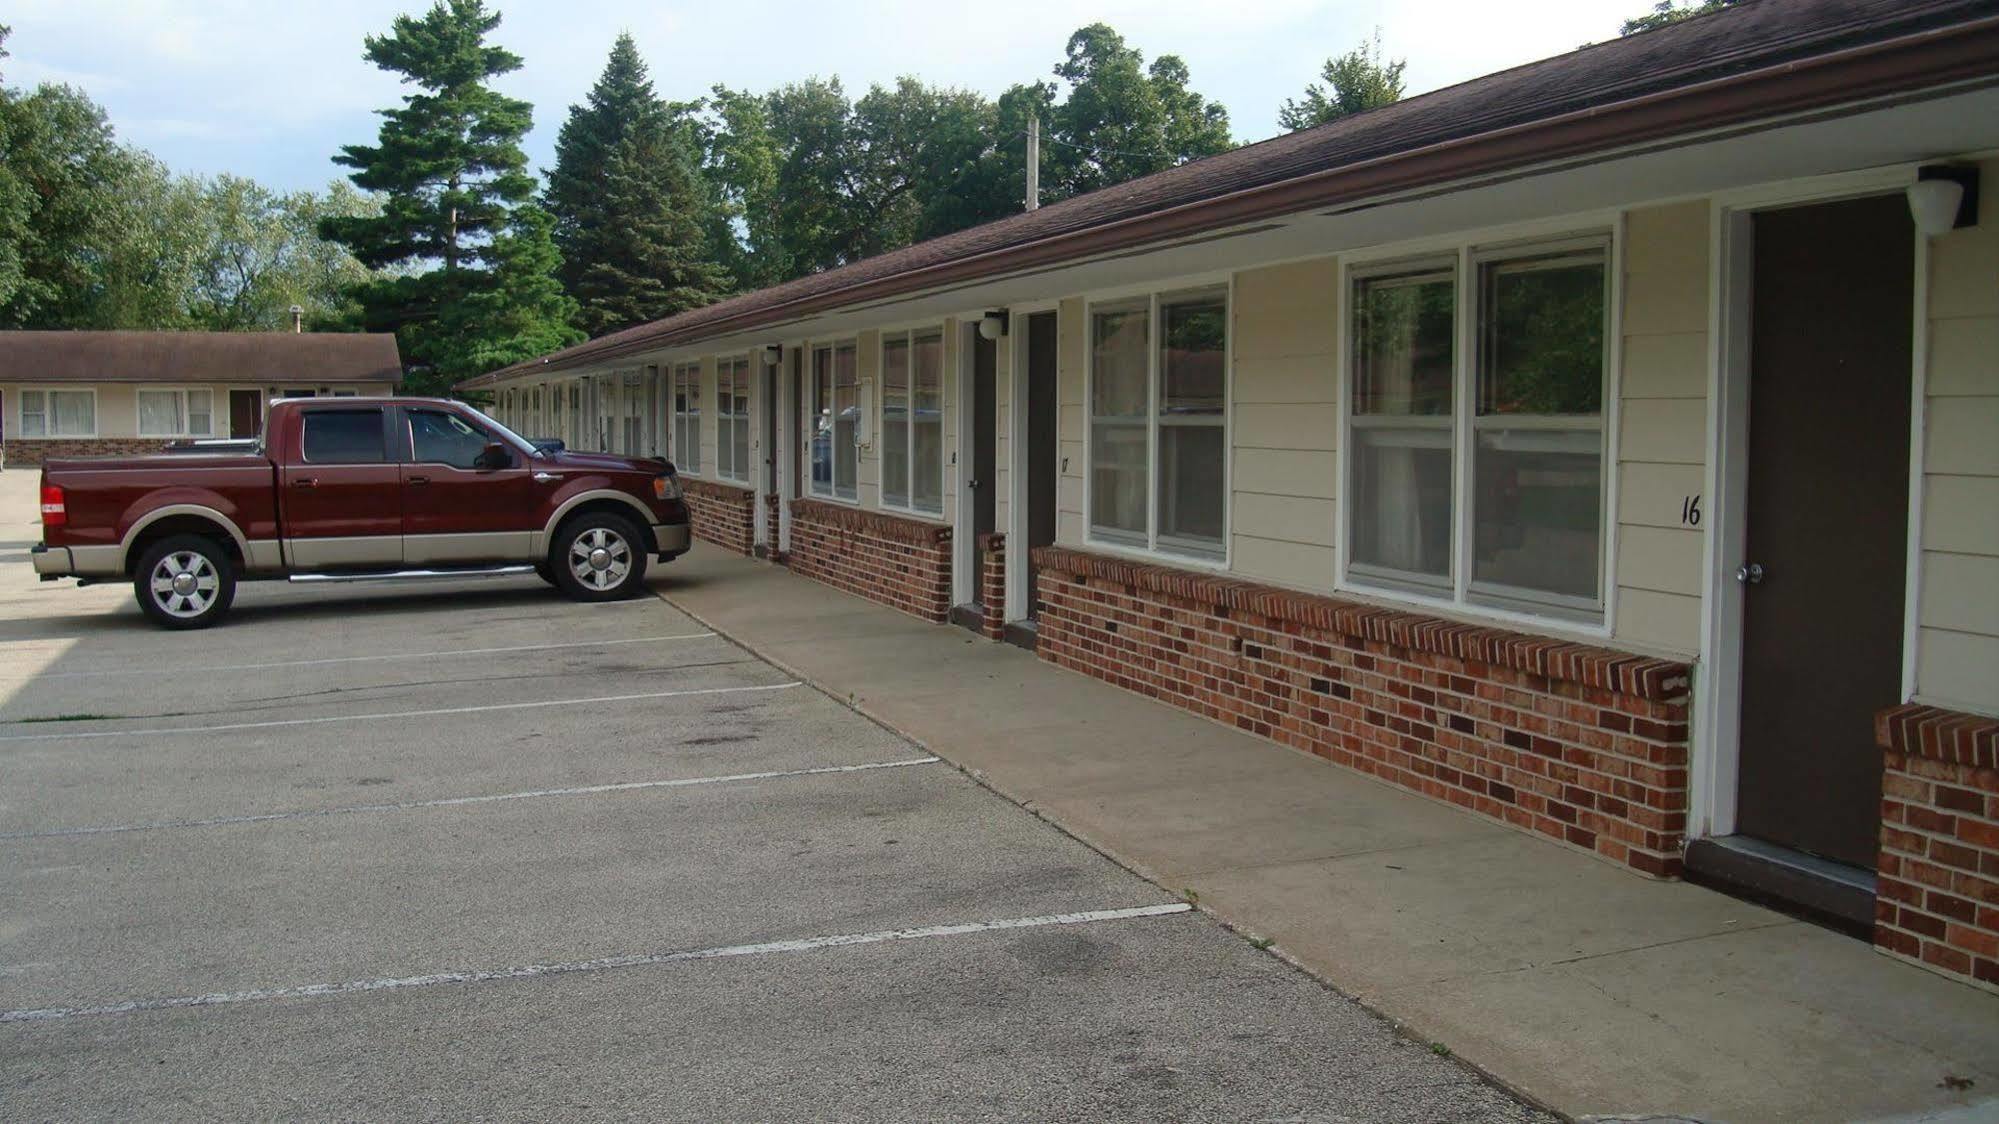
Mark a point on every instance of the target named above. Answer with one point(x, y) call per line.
point(456, 230)
point(656, 260)
point(1355, 82)
point(1667, 12)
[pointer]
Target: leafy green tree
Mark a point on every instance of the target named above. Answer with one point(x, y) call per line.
point(1666, 12)
point(742, 168)
point(455, 191)
point(659, 262)
point(262, 254)
point(1122, 120)
point(1355, 82)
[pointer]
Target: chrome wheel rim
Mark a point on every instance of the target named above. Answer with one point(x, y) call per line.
point(185, 584)
point(600, 558)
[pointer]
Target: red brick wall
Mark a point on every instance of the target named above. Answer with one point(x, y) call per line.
point(1937, 889)
point(771, 533)
point(902, 563)
point(28, 452)
point(992, 584)
point(722, 514)
point(1581, 744)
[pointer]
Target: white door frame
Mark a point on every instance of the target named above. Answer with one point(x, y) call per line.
point(1717, 711)
point(964, 463)
point(1016, 449)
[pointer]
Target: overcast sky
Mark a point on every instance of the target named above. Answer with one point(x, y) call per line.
point(272, 90)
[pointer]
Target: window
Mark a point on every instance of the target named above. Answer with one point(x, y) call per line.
point(687, 417)
point(913, 420)
point(437, 437)
point(344, 437)
point(58, 413)
point(732, 418)
point(836, 404)
point(176, 413)
point(1479, 477)
point(1158, 400)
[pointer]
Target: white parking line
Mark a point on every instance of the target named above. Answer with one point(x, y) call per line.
point(531, 971)
point(398, 714)
point(457, 801)
point(177, 669)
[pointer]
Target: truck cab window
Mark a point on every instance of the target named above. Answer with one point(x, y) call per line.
point(344, 437)
point(437, 437)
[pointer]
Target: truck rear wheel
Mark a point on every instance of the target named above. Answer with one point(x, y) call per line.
point(185, 581)
point(599, 557)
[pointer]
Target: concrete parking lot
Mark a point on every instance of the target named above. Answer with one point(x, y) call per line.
point(474, 851)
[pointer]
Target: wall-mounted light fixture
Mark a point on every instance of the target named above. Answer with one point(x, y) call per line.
point(1944, 198)
point(773, 355)
point(993, 324)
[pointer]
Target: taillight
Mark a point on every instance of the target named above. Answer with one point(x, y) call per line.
point(54, 513)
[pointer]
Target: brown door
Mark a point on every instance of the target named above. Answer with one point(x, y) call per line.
point(246, 413)
point(1828, 493)
point(1041, 448)
point(985, 423)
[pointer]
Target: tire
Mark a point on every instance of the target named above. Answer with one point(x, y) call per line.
point(546, 572)
point(185, 581)
point(599, 557)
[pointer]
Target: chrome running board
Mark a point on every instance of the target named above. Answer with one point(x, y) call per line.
point(412, 575)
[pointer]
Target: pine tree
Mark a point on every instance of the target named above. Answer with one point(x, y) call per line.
point(658, 263)
point(454, 184)
point(621, 101)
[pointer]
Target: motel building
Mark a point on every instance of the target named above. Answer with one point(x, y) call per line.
point(1608, 446)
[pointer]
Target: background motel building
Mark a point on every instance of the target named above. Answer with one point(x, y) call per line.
point(76, 394)
point(1608, 446)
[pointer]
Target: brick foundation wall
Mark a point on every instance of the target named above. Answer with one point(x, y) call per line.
point(1580, 744)
point(992, 584)
point(721, 514)
point(24, 452)
point(1937, 888)
point(771, 532)
point(902, 563)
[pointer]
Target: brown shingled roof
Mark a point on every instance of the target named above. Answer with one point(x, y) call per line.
point(185, 357)
point(1754, 60)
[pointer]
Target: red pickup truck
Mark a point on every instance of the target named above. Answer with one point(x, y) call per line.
point(348, 489)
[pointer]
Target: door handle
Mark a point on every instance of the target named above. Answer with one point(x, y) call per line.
point(1752, 574)
point(306, 482)
point(417, 480)
point(546, 477)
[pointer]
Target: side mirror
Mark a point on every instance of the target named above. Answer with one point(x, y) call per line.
point(494, 455)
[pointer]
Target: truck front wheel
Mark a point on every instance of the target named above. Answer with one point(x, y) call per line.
point(599, 557)
point(185, 581)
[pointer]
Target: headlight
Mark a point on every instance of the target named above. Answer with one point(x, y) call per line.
point(665, 487)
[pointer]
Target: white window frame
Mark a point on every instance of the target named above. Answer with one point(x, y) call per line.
point(808, 422)
point(687, 374)
point(183, 393)
point(727, 419)
point(1153, 548)
point(47, 413)
point(1470, 253)
point(909, 336)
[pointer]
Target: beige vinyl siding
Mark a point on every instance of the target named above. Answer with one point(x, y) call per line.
point(1003, 422)
point(1957, 644)
point(1662, 427)
point(1072, 335)
point(1284, 341)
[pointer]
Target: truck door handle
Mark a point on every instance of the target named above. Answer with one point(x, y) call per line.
point(418, 480)
point(306, 482)
point(546, 477)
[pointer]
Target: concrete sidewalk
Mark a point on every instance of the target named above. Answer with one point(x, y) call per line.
point(1576, 982)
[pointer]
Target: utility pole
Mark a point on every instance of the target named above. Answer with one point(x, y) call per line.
point(1033, 163)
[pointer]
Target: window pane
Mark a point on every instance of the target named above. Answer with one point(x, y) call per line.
point(1404, 328)
point(34, 414)
point(344, 437)
point(822, 420)
point(742, 429)
point(200, 412)
point(75, 412)
point(895, 421)
point(440, 438)
point(1191, 499)
point(1543, 331)
point(1117, 480)
point(159, 413)
point(1117, 367)
point(846, 419)
point(1402, 501)
point(1538, 511)
point(927, 422)
point(1193, 354)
